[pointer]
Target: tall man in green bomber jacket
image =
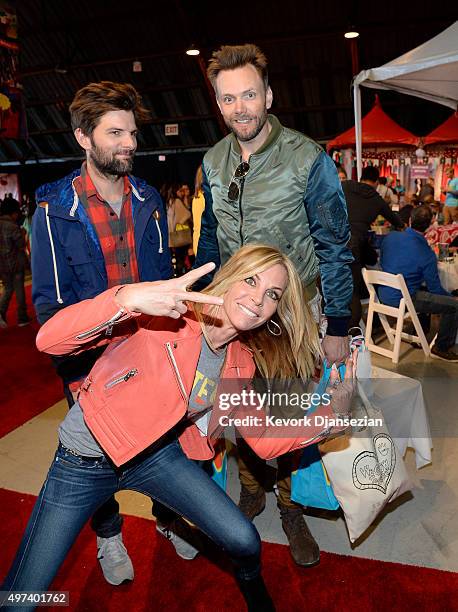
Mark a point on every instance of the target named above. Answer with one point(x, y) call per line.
point(269, 184)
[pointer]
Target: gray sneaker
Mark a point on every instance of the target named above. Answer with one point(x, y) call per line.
point(114, 560)
point(3, 323)
point(180, 535)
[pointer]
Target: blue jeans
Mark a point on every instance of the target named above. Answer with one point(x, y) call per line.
point(76, 486)
point(445, 306)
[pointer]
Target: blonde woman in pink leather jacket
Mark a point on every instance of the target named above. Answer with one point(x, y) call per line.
point(152, 404)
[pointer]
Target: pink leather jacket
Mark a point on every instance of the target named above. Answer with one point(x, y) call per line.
point(139, 388)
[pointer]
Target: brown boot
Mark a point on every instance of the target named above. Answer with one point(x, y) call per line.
point(302, 544)
point(252, 504)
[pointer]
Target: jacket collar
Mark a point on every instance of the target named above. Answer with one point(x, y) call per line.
point(417, 235)
point(60, 195)
point(270, 140)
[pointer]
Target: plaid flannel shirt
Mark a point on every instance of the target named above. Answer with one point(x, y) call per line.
point(115, 234)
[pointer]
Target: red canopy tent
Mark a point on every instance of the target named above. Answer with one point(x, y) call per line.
point(446, 133)
point(377, 130)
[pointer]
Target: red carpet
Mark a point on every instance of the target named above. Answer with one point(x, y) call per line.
point(29, 382)
point(163, 581)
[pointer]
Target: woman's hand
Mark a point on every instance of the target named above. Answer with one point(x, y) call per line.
point(166, 298)
point(342, 391)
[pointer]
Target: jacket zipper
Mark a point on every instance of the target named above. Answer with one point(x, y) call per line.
point(168, 346)
point(322, 434)
point(242, 185)
point(108, 324)
point(121, 379)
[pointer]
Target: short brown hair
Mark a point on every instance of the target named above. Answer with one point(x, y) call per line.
point(96, 99)
point(229, 57)
point(421, 218)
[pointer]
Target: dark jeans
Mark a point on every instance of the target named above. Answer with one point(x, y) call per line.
point(356, 308)
point(76, 486)
point(106, 520)
point(14, 282)
point(445, 306)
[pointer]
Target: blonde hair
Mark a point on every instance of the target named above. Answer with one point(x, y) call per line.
point(293, 352)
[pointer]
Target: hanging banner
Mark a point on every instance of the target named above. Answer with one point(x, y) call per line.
point(420, 171)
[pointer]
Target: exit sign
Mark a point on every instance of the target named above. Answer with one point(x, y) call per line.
point(171, 129)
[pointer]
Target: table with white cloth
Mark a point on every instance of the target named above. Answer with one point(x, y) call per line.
point(401, 401)
point(448, 273)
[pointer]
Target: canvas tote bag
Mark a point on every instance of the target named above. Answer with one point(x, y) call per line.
point(365, 468)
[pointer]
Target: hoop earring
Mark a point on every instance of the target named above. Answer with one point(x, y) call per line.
point(276, 331)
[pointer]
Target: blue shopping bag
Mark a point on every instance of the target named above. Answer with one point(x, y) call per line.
point(219, 464)
point(310, 485)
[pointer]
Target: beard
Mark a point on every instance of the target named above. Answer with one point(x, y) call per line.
point(243, 136)
point(107, 163)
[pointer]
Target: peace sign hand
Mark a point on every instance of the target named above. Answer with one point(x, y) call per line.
point(166, 298)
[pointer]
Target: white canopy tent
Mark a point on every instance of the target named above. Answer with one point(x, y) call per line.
point(429, 71)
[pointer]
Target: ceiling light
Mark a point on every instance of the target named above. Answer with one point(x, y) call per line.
point(193, 50)
point(351, 33)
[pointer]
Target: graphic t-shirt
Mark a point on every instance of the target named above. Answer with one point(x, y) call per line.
point(204, 387)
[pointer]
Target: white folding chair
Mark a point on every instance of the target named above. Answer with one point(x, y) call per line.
point(405, 310)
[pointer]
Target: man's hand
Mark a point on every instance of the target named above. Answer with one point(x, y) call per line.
point(336, 349)
point(166, 298)
point(342, 392)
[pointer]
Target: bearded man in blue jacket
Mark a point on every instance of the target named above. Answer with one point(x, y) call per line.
point(93, 229)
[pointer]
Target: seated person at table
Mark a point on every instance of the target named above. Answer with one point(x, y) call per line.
point(438, 217)
point(364, 205)
point(409, 254)
point(405, 213)
point(142, 417)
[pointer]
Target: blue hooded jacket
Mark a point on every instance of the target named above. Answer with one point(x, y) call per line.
point(67, 260)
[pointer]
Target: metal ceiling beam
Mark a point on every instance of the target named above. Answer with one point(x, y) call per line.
point(145, 90)
point(39, 70)
point(280, 110)
point(158, 121)
point(168, 150)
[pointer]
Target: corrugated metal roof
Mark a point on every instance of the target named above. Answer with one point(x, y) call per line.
point(65, 45)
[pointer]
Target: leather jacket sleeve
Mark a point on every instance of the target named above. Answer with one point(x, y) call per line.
point(208, 249)
point(327, 213)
